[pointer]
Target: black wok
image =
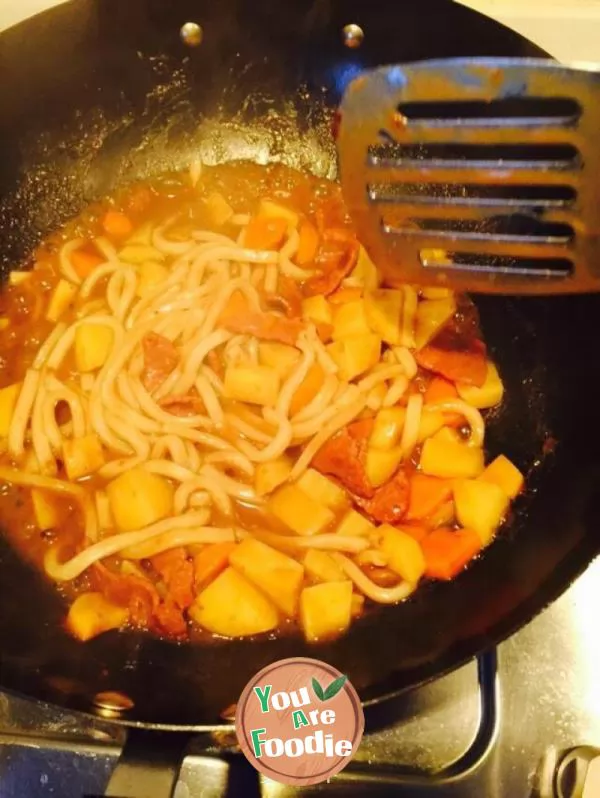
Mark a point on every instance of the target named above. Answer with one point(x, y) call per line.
point(97, 92)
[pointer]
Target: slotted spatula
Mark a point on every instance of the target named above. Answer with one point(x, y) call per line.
point(476, 174)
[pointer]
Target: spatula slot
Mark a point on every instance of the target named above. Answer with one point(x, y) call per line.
point(519, 226)
point(509, 112)
point(544, 268)
point(479, 193)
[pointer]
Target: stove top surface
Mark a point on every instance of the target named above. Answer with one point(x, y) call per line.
point(489, 729)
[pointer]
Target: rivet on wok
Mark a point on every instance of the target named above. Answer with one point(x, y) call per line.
point(191, 34)
point(352, 35)
point(112, 703)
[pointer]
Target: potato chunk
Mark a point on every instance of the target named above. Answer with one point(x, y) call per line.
point(383, 309)
point(273, 210)
point(355, 355)
point(442, 457)
point(381, 465)
point(231, 606)
point(387, 429)
point(62, 296)
point(258, 385)
point(480, 506)
point(504, 474)
point(278, 576)
point(317, 309)
point(432, 314)
point(91, 614)
point(45, 509)
point(83, 456)
point(150, 275)
point(489, 395)
point(321, 566)
point(322, 489)
point(8, 401)
point(353, 523)
point(350, 320)
point(281, 357)
point(93, 345)
point(271, 475)
point(325, 610)
point(138, 498)
point(299, 511)
point(405, 556)
point(219, 209)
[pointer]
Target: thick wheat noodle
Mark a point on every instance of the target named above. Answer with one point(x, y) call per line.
point(103, 512)
point(343, 417)
point(124, 388)
point(200, 437)
point(324, 359)
point(173, 446)
point(184, 537)
point(22, 413)
point(382, 595)
point(92, 280)
point(116, 467)
point(169, 247)
point(71, 569)
point(168, 469)
point(64, 258)
point(410, 431)
point(406, 358)
point(239, 490)
point(131, 415)
point(61, 392)
point(210, 400)
point(275, 448)
point(155, 412)
point(44, 441)
point(193, 456)
point(247, 429)
point(325, 541)
point(52, 485)
point(321, 401)
point(105, 248)
point(295, 380)
point(258, 276)
point(471, 414)
point(200, 351)
point(87, 382)
point(395, 392)
point(48, 345)
point(382, 375)
point(101, 428)
point(208, 236)
point(235, 461)
point(372, 557)
point(220, 301)
point(127, 293)
point(93, 306)
point(288, 250)
point(138, 444)
point(165, 289)
point(344, 395)
point(217, 492)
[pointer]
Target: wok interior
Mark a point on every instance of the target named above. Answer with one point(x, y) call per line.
point(117, 96)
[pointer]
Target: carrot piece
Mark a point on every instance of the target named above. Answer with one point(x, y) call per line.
point(447, 551)
point(308, 243)
point(427, 494)
point(416, 531)
point(441, 390)
point(265, 232)
point(84, 262)
point(117, 224)
point(209, 562)
point(343, 295)
point(312, 384)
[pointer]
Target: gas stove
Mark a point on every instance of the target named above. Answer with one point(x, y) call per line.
point(496, 728)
